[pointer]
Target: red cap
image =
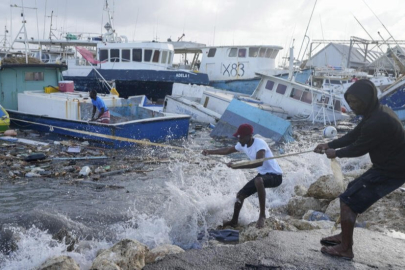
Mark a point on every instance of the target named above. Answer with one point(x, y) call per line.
point(244, 130)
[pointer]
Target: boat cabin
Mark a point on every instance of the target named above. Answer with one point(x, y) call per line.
point(238, 62)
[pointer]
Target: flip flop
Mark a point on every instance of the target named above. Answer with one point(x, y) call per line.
point(331, 252)
point(325, 242)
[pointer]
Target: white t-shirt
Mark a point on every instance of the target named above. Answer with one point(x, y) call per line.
point(269, 166)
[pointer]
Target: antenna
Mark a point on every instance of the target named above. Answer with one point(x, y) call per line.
point(305, 36)
point(23, 30)
point(50, 28)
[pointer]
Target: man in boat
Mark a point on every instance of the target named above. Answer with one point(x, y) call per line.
point(382, 136)
point(269, 172)
point(98, 103)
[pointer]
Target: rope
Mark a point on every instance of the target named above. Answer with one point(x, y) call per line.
point(249, 162)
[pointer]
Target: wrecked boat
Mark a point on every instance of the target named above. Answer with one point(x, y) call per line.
point(30, 104)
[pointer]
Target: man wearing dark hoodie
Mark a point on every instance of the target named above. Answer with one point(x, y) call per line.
point(382, 136)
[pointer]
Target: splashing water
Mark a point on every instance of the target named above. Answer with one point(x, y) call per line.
point(175, 204)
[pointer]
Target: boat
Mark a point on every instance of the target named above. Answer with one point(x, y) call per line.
point(4, 119)
point(233, 68)
point(394, 95)
point(134, 68)
point(30, 104)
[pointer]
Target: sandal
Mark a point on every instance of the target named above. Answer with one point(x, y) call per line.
point(333, 253)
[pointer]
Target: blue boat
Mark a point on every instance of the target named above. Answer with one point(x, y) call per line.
point(394, 95)
point(67, 113)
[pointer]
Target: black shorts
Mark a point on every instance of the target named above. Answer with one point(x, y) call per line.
point(270, 180)
point(365, 190)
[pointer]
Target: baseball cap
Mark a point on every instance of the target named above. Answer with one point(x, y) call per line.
point(244, 130)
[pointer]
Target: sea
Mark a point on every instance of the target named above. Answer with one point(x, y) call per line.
point(176, 202)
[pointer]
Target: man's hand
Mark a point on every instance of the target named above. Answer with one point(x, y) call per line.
point(331, 153)
point(321, 148)
point(205, 152)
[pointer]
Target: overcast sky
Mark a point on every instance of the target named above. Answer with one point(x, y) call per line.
point(214, 22)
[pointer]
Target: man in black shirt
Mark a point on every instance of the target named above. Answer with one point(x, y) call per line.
point(382, 136)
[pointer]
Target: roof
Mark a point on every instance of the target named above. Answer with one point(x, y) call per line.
point(357, 54)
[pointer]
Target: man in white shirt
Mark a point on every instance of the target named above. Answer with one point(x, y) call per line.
point(269, 172)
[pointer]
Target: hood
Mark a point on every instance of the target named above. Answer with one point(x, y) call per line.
point(365, 91)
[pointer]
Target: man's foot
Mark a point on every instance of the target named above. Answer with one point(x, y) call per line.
point(260, 222)
point(230, 223)
point(338, 251)
point(332, 240)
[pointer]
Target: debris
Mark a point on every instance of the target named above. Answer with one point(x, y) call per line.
point(77, 158)
point(10, 132)
point(35, 157)
point(115, 172)
point(85, 171)
point(20, 140)
point(74, 149)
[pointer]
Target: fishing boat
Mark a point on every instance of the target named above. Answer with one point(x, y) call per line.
point(4, 119)
point(394, 95)
point(30, 104)
point(134, 68)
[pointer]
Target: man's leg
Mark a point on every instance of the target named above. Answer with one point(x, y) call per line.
point(347, 221)
point(261, 193)
point(236, 210)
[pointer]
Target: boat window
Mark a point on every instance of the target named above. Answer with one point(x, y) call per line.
point(306, 97)
point(137, 55)
point(233, 52)
point(334, 82)
point(296, 93)
point(211, 52)
point(170, 58)
point(274, 54)
point(337, 106)
point(156, 56)
point(126, 55)
point(253, 52)
point(268, 52)
point(34, 76)
point(114, 55)
point(147, 56)
point(281, 88)
point(269, 85)
point(164, 57)
point(262, 52)
point(103, 55)
point(242, 53)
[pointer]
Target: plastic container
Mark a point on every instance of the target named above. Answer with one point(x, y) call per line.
point(51, 89)
point(66, 86)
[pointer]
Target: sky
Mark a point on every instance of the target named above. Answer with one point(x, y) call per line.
point(213, 22)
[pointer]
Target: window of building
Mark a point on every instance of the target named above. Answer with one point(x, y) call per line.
point(281, 88)
point(268, 52)
point(164, 57)
point(114, 55)
point(253, 52)
point(233, 52)
point(296, 93)
point(126, 55)
point(137, 55)
point(211, 52)
point(269, 85)
point(242, 53)
point(156, 56)
point(34, 76)
point(306, 97)
point(147, 55)
point(262, 52)
point(103, 55)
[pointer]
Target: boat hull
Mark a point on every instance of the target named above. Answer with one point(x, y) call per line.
point(119, 135)
point(155, 84)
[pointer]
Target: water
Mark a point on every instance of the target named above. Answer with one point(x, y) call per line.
point(171, 204)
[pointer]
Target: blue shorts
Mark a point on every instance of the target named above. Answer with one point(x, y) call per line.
point(365, 190)
point(270, 180)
